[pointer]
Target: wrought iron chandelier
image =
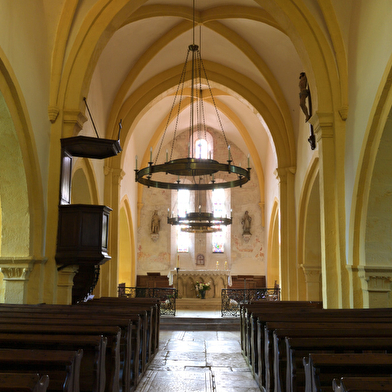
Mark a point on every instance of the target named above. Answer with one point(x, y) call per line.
point(182, 173)
point(199, 222)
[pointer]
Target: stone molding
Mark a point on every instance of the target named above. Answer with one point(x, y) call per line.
point(201, 272)
point(18, 268)
point(312, 273)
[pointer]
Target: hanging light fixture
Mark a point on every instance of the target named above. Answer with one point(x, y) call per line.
point(200, 221)
point(182, 173)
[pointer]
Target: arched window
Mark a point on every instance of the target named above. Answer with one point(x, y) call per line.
point(201, 149)
point(219, 210)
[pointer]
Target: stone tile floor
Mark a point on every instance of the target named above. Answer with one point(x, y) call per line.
point(198, 361)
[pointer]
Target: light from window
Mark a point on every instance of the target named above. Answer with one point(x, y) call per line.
point(201, 149)
point(219, 210)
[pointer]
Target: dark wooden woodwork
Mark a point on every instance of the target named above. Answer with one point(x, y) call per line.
point(82, 235)
point(152, 280)
point(248, 281)
point(90, 147)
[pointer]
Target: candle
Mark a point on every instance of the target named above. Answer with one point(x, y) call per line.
point(229, 151)
point(217, 265)
point(136, 163)
point(248, 160)
point(178, 261)
point(167, 155)
point(225, 265)
point(150, 154)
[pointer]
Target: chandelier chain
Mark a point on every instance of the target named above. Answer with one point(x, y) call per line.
point(215, 107)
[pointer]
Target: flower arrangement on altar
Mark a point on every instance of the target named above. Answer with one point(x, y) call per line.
point(202, 286)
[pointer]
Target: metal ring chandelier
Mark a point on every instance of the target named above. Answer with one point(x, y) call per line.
point(191, 167)
point(199, 222)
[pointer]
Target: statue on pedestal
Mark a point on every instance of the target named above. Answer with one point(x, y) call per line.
point(246, 222)
point(155, 226)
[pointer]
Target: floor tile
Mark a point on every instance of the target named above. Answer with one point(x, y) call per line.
point(198, 361)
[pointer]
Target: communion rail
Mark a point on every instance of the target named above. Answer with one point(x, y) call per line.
point(233, 298)
point(166, 295)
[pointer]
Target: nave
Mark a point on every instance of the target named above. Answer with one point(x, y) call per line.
point(198, 361)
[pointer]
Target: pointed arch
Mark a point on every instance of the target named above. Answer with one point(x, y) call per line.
point(379, 122)
point(16, 107)
point(127, 251)
point(309, 238)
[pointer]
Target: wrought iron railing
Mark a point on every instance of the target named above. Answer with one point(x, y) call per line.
point(166, 295)
point(233, 298)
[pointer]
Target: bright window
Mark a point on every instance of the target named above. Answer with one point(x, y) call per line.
point(219, 209)
point(201, 149)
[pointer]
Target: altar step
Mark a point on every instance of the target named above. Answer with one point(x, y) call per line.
point(195, 314)
point(170, 323)
point(198, 304)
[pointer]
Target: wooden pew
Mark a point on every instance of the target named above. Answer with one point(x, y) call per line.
point(289, 370)
point(155, 302)
point(256, 306)
point(23, 382)
point(116, 312)
point(362, 384)
point(135, 355)
point(92, 370)
point(113, 335)
point(321, 369)
point(290, 317)
point(273, 351)
point(62, 367)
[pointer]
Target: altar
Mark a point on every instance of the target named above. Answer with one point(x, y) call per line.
point(188, 278)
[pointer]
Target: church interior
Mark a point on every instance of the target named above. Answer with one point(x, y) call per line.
point(300, 102)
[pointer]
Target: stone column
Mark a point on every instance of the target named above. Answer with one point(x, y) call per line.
point(109, 271)
point(288, 263)
point(16, 272)
point(376, 285)
point(312, 282)
point(65, 283)
point(330, 254)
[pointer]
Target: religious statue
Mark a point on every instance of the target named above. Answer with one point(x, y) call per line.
point(155, 223)
point(246, 222)
point(303, 94)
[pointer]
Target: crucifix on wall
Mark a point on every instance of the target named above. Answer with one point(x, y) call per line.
point(304, 95)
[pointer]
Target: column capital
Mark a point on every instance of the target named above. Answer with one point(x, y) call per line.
point(323, 124)
point(282, 172)
point(312, 272)
point(73, 120)
point(17, 268)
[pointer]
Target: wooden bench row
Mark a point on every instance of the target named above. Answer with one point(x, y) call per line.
point(275, 339)
point(115, 339)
